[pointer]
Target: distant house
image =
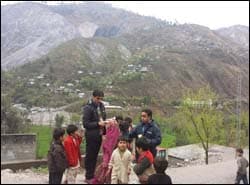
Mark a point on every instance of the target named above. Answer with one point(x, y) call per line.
point(98, 72)
point(78, 90)
point(194, 103)
point(40, 76)
point(60, 88)
point(80, 95)
point(144, 69)
point(109, 86)
point(70, 84)
point(105, 103)
point(31, 83)
point(113, 107)
point(20, 107)
point(79, 72)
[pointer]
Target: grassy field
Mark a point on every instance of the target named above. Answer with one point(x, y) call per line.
point(44, 137)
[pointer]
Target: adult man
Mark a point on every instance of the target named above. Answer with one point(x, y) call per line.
point(94, 116)
point(147, 128)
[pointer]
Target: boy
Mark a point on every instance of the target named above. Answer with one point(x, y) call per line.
point(57, 162)
point(144, 167)
point(120, 163)
point(131, 142)
point(72, 148)
point(160, 165)
point(242, 167)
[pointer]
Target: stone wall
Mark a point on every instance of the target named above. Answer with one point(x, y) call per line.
point(16, 147)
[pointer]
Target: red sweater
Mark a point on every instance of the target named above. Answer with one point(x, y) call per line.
point(146, 154)
point(72, 150)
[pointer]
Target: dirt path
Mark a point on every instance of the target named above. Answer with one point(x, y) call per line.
point(217, 173)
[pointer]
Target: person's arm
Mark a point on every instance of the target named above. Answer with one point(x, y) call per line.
point(129, 163)
point(68, 149)
point(133, 133)
point(87, 117)
point(141, 167)
point(60, 158)
point(156, 140)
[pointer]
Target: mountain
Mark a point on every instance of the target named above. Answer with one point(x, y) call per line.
point(134, 59)
point(238, 34)
point(30, 30)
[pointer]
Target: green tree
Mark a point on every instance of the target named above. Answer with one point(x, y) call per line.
point(75, 119)
point(203, 120)
point(59, 120)
point(11, 118)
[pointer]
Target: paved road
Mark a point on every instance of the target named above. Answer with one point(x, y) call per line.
point(217, 173)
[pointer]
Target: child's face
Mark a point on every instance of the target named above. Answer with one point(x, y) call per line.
point(122, 145)
point(139, 150)
point(238, 154)
point(62, 138)
point(75, 133)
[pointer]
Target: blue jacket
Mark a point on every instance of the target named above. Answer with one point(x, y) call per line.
point(150, 131)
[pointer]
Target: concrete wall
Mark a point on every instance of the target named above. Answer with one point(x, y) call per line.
point(18, 147)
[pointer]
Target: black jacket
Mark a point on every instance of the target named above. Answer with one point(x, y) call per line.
point(57, 161)
point(159, 178)
point(91, 116)
point(151, 132)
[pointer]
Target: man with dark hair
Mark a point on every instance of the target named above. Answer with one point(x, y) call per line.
point(242, 167)
point(149, 129)
point(94, 117)
point(160, 165)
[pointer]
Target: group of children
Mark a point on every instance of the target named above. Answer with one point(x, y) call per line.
point(64, 156)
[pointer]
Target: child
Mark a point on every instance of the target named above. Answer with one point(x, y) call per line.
point(242, 167)
point(144, 167)
point(160, 165)
point(108, 145)
point(72, 148)
point(57, 162)
point(131, 142)
point(120, 163)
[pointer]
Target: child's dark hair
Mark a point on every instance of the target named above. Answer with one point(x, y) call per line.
point(142, 143)
point(119, 118)
point(122, 138)
point(98, 93)
point(128, 119)
point(160, 164)
point(239, 150)
point(57, 133)
point(124, 126)
point(71, 129)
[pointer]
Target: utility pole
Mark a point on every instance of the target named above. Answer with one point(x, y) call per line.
point(238, 109)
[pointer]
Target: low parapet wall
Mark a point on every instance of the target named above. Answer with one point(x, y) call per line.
point(15, 147)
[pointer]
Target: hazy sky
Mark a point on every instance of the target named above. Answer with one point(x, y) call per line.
point(213, 14)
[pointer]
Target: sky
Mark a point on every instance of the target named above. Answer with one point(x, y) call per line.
point(213, 14)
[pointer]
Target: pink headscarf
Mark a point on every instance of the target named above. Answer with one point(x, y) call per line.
point(110, 142)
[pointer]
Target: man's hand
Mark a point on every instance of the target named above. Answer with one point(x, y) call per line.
point(108, 171)
point(133, 157)
point(129, 171)
point(101, 123)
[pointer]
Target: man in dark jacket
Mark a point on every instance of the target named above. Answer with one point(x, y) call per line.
point(94, 116)
point(57, 161)
point(149, 129)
